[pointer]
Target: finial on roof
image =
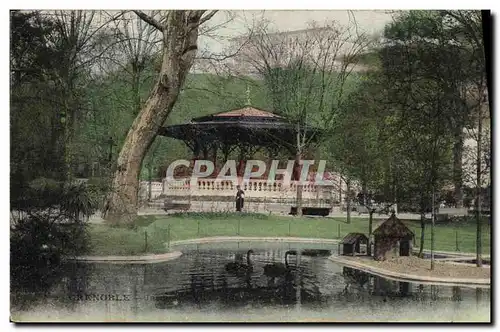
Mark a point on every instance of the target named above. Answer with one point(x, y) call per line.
point(248, 95)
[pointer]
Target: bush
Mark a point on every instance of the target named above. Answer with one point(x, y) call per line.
point(43, 196)
point(50, 226)
point(98, 189)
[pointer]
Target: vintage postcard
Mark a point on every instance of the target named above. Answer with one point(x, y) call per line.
point(250, 166)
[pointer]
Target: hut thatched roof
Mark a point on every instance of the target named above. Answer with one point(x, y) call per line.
point(351, 238)
point(393, 227)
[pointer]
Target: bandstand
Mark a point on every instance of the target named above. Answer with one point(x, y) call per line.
point(241, 133)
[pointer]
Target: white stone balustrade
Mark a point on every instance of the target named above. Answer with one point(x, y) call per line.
point(253, 189)
point(156, 189)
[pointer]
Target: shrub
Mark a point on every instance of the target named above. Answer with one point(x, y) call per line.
point(50, 225)
point(98, 188)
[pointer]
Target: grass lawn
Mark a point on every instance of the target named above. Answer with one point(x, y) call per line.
point(107, 240)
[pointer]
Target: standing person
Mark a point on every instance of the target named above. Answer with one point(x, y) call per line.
point(240, 198)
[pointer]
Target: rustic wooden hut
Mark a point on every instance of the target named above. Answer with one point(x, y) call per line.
point(392, 239)
point(352, 243)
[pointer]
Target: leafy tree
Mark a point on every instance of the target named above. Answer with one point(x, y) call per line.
point(52, 53)
point(77, 39)
point(445, 49)
point(361, 148)
point(35, 125)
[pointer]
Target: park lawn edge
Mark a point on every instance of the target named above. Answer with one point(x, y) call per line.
point(163, 229)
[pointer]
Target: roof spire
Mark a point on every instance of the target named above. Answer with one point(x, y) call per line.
point(249, 102)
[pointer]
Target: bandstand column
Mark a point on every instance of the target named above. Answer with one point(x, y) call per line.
point(196, 149)
point(296, 167)
point(240, 169)
point(205, 152)
point(214, 156)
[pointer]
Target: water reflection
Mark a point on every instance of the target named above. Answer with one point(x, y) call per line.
point(200, 280)
point(357, 281)
point(233, 287)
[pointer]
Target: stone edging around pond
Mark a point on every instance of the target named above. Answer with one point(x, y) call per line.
point(451, 253)
point(143, 259)
point(410, 277)
point(158, 258)
point(250, 238)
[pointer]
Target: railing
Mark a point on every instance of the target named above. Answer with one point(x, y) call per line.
point(252, 188)
point(156, 189)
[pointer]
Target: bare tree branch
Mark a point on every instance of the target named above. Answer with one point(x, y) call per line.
point(207, 17)
point(150, 20)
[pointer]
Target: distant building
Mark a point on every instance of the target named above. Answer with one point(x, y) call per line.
point(245, 56)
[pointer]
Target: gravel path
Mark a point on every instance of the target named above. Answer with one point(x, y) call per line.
point(422, 267)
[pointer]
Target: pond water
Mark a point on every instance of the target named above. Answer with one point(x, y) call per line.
point(197, 287)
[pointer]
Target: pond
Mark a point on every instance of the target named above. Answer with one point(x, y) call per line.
point(198, 287)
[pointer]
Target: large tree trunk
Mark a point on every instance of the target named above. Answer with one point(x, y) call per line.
point(457, 167)
point(122, 201)
point(180, 35)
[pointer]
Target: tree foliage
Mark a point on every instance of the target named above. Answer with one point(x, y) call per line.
point(402, 133)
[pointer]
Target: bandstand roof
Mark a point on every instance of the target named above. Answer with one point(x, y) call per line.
point(247, 125)
point(247, 113)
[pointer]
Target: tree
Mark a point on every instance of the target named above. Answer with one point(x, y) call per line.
point(360, 147)
point(307, 77)
point(180, 31)
point(444, 49)
point(77, 40)
point(72, 43)
point(420, 141)
point(447, 48)
point(470, 25)
point(134, 56)
point(33, 122)
point(135, 49)
point(479, 158)
point(440, 52)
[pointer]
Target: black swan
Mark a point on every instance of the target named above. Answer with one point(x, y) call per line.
point(239, 267)
point(278, 269)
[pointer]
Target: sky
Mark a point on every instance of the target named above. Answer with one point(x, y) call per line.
point(298, 19)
